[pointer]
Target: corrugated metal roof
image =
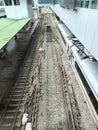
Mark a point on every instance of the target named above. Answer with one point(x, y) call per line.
point(5, 22)
point(9, 28)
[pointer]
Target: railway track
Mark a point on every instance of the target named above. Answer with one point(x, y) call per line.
point(65, 124)
point(17, 102)
point(9, 66)
point(71, 106)
point(41, 92)
point(57, 85)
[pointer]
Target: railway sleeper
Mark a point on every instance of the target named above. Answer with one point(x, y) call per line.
point(56, 128)
point(16, 101)
point(15, 96)
point(14, 107)
point(17, 91)
point(22, 77)
point(10, 118)
point(19, 85)
point(6, 127)
point(21, 81)
point(12, 112)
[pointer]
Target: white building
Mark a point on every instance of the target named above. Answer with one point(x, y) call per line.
point(35, 3)
point(18, 9)
point(83, 23)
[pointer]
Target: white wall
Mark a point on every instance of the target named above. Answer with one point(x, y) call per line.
point(18, 11)
point(30, 10)
point(83, 24)
point(35, 3)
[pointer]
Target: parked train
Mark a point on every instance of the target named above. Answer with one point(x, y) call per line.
point(85, 68)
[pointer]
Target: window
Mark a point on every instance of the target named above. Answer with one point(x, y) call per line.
point(29, 2)
point(93, 4)
point(78, 3)
point(86, 4)
point(1, 3)
point(81, 4)
point(16, 2)
point(8, 2)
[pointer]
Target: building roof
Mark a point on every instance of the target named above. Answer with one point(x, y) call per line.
point(9, 28)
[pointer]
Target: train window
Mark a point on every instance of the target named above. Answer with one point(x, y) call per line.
point(16, 2)
point(8, 2)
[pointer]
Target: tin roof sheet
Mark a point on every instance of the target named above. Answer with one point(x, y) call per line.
point(9, 28)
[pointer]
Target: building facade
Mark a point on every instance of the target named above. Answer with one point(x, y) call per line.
point(18, 9)
point(82, 22)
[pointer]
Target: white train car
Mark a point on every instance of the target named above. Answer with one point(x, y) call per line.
point(85, 70)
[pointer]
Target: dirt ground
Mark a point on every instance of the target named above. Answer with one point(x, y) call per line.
point(51, 108)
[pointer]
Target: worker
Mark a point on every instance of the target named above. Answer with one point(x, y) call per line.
point(40, 50)
point(16, 38)
point(2, 55)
